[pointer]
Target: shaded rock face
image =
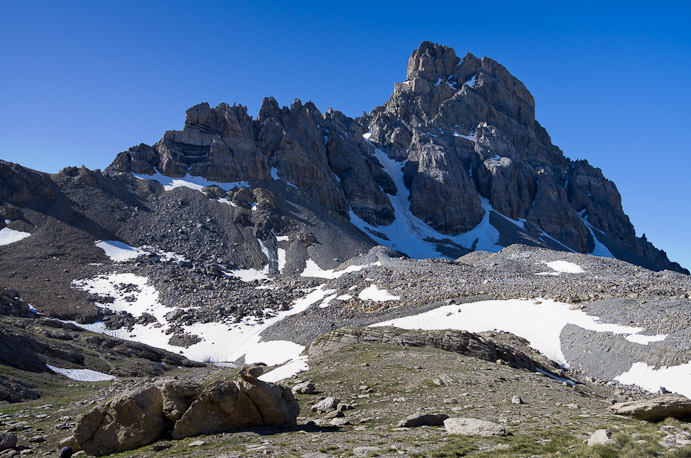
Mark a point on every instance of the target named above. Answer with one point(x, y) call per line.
point(139, 418)
point(462, 129)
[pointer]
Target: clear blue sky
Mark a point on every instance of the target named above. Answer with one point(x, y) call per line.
point(82, 81)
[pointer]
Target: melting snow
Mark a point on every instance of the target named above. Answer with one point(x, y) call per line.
point(274, 173)
point(82, 375)
point(565, 267)
point(410, 235)
point(674, 378)
point(470, 137)
point(189, 181)
point(313, 270)
point(220, 342)
point(289, 369)
point(600, 248)
point(248, 275)
point(471, 82)
point(8, 235)
point(645, 340)
point(372, 293)
point(119, 251)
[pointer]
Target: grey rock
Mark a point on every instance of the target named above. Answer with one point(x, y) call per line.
point(659, 408)
point(601, 437)
point(305, 388)
point(7, 441)
point(326, 405)
point(423, 419)
point(473, 427)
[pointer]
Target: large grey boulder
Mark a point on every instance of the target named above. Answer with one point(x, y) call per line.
point(138, 418)
point(7, 441)
point(129, 421)
point(225, 406)
point(473, 427)
point(659, 408)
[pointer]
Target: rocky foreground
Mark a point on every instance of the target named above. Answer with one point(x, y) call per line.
point(364, 395)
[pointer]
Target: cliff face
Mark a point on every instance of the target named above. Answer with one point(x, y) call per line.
point(456, 140)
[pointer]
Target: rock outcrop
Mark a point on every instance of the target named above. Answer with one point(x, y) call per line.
point(138, 418)
point(489, 346)
point(459, 134)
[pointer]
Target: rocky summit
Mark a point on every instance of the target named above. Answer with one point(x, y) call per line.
point(434, 278)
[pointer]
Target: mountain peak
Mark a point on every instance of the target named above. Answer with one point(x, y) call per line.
point(432, 61)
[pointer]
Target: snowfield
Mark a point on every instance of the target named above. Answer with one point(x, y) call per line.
point(220, 342)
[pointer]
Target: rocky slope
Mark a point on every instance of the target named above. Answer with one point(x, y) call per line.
point(456, 140)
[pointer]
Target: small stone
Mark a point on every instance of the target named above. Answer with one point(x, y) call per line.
point(339, 421)
point(334, 414)
point(363, 451)
point(326, 405)
point(197, 443)
point(37, 439)
point(516, 400)
point(161, 446)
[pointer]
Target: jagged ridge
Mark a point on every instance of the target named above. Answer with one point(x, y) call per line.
point(463, 130)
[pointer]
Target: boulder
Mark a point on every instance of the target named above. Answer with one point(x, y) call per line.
point(326, 405)
point(129, 421)
point(7, 441)
point(225, 406)
point(473, 427)
point(423, 419)
point(305, 388)
point(600, 437)
point(659, 408)
point(177, 398)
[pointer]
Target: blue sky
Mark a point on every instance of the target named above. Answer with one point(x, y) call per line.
point(82, 81)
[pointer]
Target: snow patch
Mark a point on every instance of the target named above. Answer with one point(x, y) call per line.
point(189, 181)
point(538, 322)
point(672, 378)
point(470, 137)
point(645, 340)
point(82, 375)
point(119, 251)
point(372, 293)
point(220, 341)
point(313, 270)
point(471, 82)
point(274, 173)
point(289, 369)
point(600, 249)
point(8, 235)
point(410, 235)
point(248, 275)
point(565, 267)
